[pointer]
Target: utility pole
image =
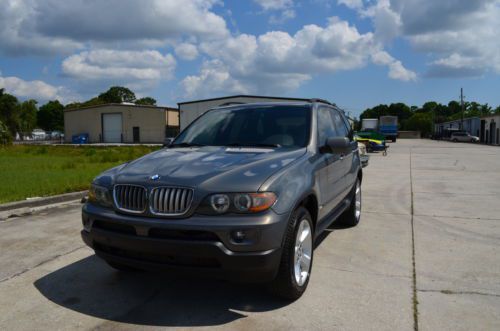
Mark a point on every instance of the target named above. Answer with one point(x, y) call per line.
point(462, 105)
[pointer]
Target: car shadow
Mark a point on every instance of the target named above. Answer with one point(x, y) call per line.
point(91, 287)
point(335, 226)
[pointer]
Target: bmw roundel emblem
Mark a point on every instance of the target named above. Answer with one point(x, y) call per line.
point(155, 177)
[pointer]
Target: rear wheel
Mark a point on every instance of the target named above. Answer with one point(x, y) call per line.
point(296, 259)
point(352, 215)
point(455, 140)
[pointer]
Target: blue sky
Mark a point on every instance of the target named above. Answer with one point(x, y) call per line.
point(356, 53)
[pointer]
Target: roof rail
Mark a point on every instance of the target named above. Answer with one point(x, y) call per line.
point(321, 100)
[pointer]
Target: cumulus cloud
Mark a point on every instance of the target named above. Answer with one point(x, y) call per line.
point(35, 89)
point(186, 51)
point(458, 35)
point(276, 62)
point(138, 69)
point(53, 26)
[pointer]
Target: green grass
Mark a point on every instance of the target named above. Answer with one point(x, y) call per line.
point(32, 171)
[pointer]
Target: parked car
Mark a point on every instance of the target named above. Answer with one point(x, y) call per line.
point(39, 134)
point(363, 155)
point(463, 137)
point(242, 193)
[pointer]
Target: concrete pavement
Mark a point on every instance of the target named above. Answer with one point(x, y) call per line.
point(434, 203)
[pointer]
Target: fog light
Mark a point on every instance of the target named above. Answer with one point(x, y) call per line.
point(239, 236)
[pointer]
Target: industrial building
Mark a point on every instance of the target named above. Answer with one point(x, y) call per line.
point(490, 130)
point(471, 125)
point(121, 123)
point(190, 110)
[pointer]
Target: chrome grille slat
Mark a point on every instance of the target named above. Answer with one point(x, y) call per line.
point(130, 198)
point(170, 200)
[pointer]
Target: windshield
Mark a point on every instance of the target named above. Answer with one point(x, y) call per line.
point(266, 126)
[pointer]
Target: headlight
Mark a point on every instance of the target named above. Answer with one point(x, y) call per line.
point(221, 203)
point(100, 195)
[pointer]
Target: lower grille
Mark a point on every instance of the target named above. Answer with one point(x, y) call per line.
point(159, 258)
point(130, 198)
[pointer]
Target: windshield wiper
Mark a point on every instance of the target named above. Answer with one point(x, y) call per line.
point(186, 145)
point(253, 145)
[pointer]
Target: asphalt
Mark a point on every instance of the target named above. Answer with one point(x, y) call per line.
point(426, 256)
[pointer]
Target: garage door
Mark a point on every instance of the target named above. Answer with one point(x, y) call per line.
point(112, 128)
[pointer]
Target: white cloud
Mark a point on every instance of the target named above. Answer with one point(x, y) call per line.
point(186, 51)
point(114, 64)
point(353, 4)
point(35, 89)
point(274, 4)
point(277, 62)
point(53, 26)
point(459, 36)
point(284, 16)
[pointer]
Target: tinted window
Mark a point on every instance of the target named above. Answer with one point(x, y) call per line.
point(326, 127)
point(287, 126)
point(339, 124)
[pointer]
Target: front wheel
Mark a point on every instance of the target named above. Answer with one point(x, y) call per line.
point(297, 256)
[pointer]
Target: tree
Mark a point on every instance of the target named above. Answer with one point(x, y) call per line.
point(146, 101)
point(420, 122)
point(9, 112)
point(497, 110)
point(51, 116)
point(117, 94)
point(5, 136)
point(27, 117)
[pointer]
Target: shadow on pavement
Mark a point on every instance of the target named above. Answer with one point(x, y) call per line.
point(90, 287)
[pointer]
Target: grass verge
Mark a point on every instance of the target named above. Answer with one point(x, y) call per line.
point(34, 170)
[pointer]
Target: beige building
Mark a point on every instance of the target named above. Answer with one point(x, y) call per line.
point(190, 110)
point(122, 123)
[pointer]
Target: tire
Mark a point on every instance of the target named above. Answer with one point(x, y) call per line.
point(291, 280)
point(121, 267)
point(455, 140)
point(352, 215)
point(393, 139)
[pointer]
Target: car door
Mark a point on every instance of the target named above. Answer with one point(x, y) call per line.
point(330, 175)
point(349, 171)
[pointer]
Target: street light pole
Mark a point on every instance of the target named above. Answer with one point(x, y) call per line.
point(462, 105)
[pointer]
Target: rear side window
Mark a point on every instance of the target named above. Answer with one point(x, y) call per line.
point(339, 124)
point(326, 127)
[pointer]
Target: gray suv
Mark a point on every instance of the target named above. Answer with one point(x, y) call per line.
point(241, 194)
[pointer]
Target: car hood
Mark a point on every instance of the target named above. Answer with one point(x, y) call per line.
point(220, 169)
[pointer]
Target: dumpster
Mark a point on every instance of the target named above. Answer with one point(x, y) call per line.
point(82, 138)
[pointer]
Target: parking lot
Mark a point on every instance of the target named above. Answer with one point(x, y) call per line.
point(426, 255)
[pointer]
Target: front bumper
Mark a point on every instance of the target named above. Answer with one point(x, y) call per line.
point(199, 244)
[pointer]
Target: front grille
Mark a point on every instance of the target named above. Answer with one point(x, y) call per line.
point(130, 198)
point(170, 200)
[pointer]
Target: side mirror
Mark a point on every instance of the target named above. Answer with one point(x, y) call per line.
point(337, 145)
point(167, 142)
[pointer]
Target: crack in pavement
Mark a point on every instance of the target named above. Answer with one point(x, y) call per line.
point(363, 272)
point(461, 292)
point(414, 271)
point(40, 264)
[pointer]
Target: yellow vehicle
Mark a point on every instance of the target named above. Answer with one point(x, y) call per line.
point(373, 145)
